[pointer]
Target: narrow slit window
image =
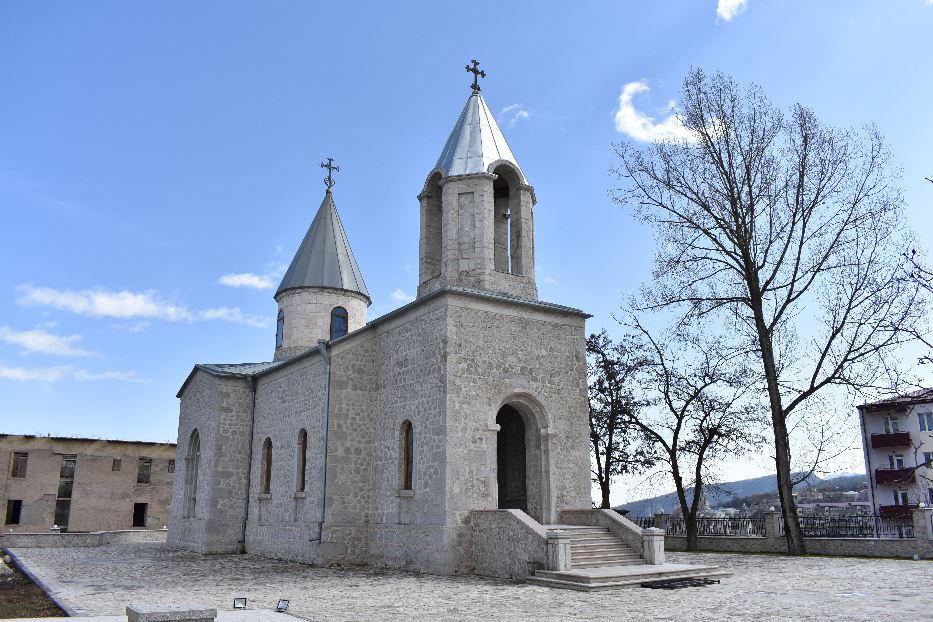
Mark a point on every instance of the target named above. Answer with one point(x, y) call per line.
point(192, 462)
point(266, 466)
point(302, 460)
point(408, 456)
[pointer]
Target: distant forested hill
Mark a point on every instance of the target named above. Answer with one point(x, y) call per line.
point(742, 488)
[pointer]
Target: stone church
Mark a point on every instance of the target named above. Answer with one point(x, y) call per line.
point(401, 441)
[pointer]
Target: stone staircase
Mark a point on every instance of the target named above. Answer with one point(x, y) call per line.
point(601, 561)
point(592, 547)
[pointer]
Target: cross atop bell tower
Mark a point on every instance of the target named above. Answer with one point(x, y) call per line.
point(331, 167)
point(477, 74)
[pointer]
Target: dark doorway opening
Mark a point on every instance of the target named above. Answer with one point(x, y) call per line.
point(510, 460)
point(139, 514)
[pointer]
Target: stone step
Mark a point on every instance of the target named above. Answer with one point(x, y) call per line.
point(608, 555)
point(593, 537)
point(606, 563)
point(596, 546)
point(622, 583)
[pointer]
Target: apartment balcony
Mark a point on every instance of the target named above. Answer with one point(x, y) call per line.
point(901, 512)
point(893, 439)
point(888, 477)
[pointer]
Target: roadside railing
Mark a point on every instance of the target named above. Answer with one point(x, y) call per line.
point(645, 522)
point(854, 527)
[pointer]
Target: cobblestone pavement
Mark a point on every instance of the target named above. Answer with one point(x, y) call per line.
point(102, 581)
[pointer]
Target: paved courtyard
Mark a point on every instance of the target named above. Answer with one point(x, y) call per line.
point(102, 581)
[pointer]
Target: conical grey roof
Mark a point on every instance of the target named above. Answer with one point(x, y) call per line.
point(475, 142)
point(324, 258)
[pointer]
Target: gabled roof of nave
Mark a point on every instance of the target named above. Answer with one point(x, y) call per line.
point(325, 258)
point(475, 142)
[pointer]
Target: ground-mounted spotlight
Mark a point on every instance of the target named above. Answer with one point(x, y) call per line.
point(239, 603)
point(282, 607)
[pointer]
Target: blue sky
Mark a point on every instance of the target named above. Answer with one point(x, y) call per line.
point(149, 149)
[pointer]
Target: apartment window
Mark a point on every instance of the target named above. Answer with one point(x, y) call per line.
point(930, 494)
point(117, 464)
point(144, 471)
point(928, 459)
point(171, 466)
point(891, 424)
point(901, 497)
point(19, 464)
point(139, 514)
point(896, 461)
point(926, 422)
point(14, 508)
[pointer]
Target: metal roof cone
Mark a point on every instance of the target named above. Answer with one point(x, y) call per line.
point(475, 142)
point(325, 258)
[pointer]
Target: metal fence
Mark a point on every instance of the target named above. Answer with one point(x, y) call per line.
point(642, 521)
point(709, 526)
point(854, 527)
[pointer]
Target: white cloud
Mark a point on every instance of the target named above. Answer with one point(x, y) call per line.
point(513, 114)
point(126, 304)
point(135, 327)
point(233, 314)
point(727, 9)
point(640, 126)
point(246, 279)
point(44, 374)
point(274, 271)
point(54, 374)
point(401, 297)
point(44, 342)
point(101, 303)
point(550, 281)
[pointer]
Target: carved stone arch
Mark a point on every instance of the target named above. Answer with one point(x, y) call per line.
point(519, 176)
point(537, 447)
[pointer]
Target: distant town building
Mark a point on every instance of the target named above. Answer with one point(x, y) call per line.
point(83, 484)
point(897, 436)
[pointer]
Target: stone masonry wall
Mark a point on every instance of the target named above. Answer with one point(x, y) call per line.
point(409, 527)
point(500, 353)
point(307, 316)
point(219, 408)
point(282, 522)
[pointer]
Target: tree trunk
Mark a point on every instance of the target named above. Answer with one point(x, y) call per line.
point(604, 488)
point(795, 544)
point(691, 523)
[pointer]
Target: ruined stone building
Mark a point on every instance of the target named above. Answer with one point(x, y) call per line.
point(382, 442)
point(84, 484)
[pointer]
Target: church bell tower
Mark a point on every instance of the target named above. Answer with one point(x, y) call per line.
point(477, 222)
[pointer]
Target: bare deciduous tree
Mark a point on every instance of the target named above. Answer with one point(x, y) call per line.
point(611, 368)
point(784, 233)
point(697, 412)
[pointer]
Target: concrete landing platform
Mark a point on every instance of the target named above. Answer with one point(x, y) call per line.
point(614, 577)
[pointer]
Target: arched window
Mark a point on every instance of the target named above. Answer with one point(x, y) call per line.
point(192, 462)
point(302, 460)
point(338, 322)
point(408, 455)
point(266, 466)
point(279, 329)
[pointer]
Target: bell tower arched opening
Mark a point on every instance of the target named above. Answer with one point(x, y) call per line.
point(431, 229)
point(507, 220)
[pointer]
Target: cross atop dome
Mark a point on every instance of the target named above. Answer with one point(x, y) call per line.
point(477, 74)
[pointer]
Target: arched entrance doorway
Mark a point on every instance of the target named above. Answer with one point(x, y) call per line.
point(510, 460)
